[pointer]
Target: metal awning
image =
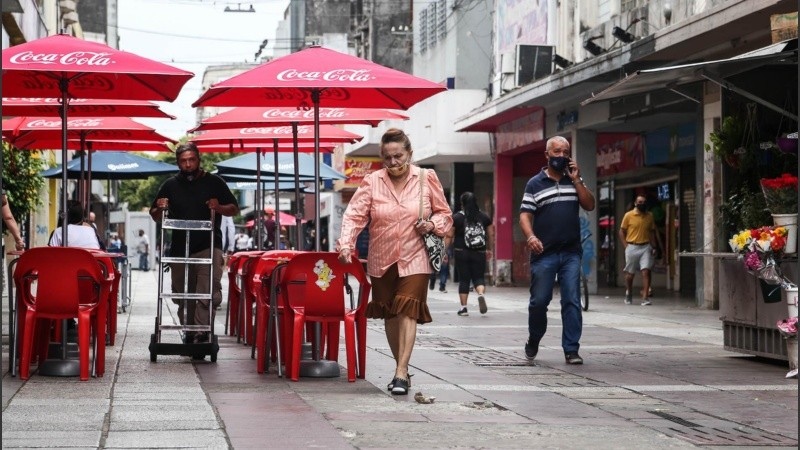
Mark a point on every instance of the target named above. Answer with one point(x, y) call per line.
point(672, 77)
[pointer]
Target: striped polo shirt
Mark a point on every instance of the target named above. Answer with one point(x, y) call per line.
point(554, 205)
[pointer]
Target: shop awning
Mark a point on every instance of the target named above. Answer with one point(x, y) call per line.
point(672, 77)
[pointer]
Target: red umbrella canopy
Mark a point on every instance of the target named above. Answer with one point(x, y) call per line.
point(97, 145)
point(267, 135)
point(340, 80)
point(251, 146)
point(81, 107)
point(90, 70)
point(21, 131)
point(248, 116)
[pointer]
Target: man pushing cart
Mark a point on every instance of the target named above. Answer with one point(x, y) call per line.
point(190, 205)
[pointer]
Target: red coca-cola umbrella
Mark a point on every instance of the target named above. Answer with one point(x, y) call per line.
point(62, 66)
point(270, 135)
point(319, 77)
point(274, 116)
point(23, 130)
point(65, 67)
point(100, 145)
point(81, 107)
point(274, 136)
point(34, 132)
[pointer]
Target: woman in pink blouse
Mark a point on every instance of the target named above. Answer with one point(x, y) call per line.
point(388, 199)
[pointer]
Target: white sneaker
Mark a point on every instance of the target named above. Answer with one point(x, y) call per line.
point(628, 298)
point(646, 302)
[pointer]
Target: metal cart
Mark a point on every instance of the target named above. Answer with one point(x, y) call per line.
point(184, 348)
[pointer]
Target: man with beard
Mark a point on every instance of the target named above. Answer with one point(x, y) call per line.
point(192, 194)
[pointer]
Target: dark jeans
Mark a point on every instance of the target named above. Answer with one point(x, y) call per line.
point(441, 275)
point(543, 274)
point(471, 267)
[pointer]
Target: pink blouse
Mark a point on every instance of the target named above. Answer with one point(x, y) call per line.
point(392, 238)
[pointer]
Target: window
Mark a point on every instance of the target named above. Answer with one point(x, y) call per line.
point(441, 26)
point(423, 31)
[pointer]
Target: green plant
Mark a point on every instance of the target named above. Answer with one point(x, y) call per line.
point(21, 180)
point(728, 144)
point(744, 209)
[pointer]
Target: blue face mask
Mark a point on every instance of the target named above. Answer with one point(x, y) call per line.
point(559, 163)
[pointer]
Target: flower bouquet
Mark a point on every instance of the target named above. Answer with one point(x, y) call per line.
point(757, 248)
point(788, 329)
point(780, 194)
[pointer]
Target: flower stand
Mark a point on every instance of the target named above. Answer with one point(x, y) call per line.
point(790, 222)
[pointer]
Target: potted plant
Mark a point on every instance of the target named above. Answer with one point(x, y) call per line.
point(727, 142)
point(780, 195)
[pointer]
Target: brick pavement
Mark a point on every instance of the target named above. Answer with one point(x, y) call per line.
point(654, 377)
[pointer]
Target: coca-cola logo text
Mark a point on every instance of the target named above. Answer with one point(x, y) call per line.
point(72, 58)
point(73, 123)
point(269, 130)
point(290, 114)
point(354, 75)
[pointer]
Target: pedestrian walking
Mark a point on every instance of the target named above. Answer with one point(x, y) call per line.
point(389, 201)
point(143, 249)
point(549, 218)
point(472, 235)
point(639, 236)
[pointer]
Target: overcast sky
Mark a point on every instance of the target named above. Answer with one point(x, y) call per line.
point(191, 35)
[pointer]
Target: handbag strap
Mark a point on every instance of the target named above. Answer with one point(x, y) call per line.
point(422, 179)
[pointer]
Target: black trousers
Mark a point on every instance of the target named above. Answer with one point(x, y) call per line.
point(471, 267)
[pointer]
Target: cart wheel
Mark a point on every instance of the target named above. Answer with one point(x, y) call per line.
point(214, 348)
point(153, 356)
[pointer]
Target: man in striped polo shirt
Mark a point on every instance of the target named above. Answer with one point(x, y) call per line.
point(551, 224)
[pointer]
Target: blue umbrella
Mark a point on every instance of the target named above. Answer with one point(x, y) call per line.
point(249, 184)
point(111, 165)
point(246, 165)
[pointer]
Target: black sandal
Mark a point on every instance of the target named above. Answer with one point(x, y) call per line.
point(391, 383)
point(401, 386)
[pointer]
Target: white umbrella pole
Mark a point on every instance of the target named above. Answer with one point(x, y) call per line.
point(277, 241)
point(317, 226)
point(298, 215)
point(259, 200)
point(64, 105)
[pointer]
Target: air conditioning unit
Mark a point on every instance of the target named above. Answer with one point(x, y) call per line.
point(533, 62)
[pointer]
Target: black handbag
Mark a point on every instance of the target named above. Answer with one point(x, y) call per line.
point(434, 244)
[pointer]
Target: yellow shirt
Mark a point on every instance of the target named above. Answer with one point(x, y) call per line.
point(637, 226)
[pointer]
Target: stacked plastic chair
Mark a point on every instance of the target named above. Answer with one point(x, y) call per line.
point(314, 286)
point(62, 283)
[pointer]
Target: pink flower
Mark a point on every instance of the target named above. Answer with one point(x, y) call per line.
point(788, 327)
point(752, 261)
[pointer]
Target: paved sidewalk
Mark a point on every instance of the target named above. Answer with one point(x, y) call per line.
point(654, 377)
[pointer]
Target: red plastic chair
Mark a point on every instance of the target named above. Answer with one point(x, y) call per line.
point(234, 293)
point(260, 286)
point(113, 276)
point(59, 273)
point(313, 286)
point(245, 322)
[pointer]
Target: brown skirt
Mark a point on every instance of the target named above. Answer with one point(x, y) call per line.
point(393, 295)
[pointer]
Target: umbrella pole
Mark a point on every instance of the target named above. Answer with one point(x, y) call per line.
point(317, 226)
point(89, 181)
point(278, 233)
point(259, 201)
point(298, 215)
point(64, 84)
